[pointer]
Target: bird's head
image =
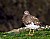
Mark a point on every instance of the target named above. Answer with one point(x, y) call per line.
point(26, 12)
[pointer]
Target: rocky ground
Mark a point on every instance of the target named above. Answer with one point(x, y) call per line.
point(41, 34)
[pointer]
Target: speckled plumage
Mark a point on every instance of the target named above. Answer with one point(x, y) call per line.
point(27, 19)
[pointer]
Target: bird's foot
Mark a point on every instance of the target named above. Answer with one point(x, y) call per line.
point(29, 34)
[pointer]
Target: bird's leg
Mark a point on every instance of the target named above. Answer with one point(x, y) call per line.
point(30, 31)
point(33, 31)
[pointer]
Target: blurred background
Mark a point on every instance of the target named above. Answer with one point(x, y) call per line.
point(11, 12)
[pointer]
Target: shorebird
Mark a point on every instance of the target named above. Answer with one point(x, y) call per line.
point(30, 21)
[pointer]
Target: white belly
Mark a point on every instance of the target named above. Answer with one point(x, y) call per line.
point(32, 26)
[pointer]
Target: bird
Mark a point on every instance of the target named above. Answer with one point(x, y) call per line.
point(30, 21)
